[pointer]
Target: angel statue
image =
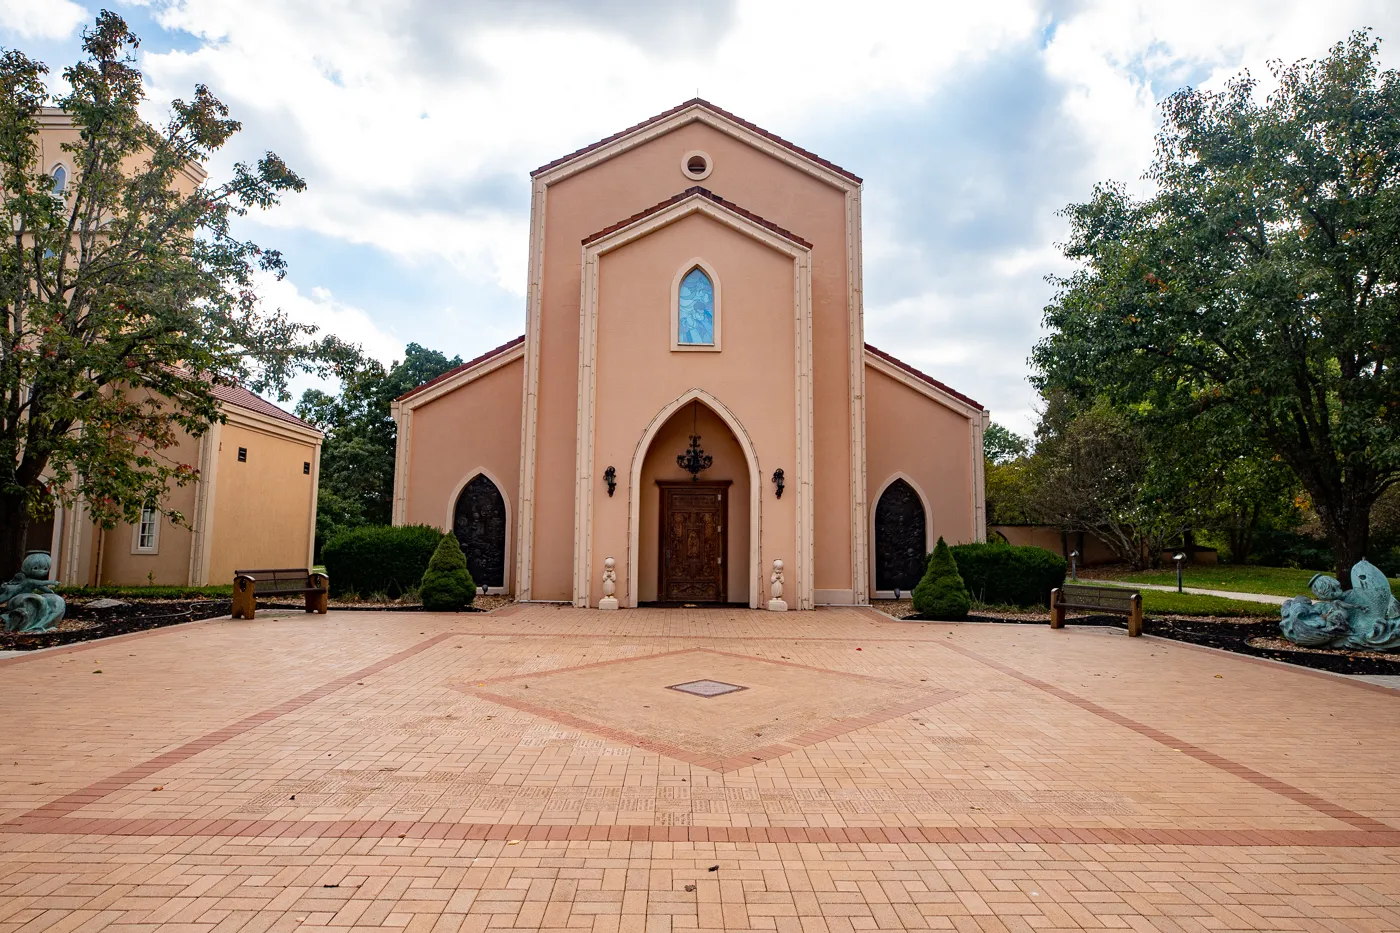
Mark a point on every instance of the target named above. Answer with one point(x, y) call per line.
point(1367, 617)
point(28, 602)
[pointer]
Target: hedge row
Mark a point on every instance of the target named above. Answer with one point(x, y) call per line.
point(1009, 575)
point(379, 558)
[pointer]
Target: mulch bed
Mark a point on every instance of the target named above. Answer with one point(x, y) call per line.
point(1256, 637)
point(81, 623)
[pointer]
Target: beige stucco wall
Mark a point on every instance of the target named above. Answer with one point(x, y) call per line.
point(638, 375)
point(262, 508)
point(170, 565)
point(633, 181)
point(660, 464)
point(474, 429)
point(931, 444)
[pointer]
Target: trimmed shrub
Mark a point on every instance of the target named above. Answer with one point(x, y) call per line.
point(447, 583)
point(941, 593)
point(1009, 575)
point(379, 558)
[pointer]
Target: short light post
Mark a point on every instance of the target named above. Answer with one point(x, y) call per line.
point(1180, 558)
point(1074, 565)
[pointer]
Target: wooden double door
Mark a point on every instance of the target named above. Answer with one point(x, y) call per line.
point(693, 546)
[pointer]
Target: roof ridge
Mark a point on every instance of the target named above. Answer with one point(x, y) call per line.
point(463, 368)
point(703, 192)
point(924, 377)
point(719, 111)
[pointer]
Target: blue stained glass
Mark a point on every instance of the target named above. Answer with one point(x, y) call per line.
point(697, 309)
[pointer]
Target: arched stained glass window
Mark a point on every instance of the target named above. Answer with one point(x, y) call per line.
point(696, 317)
point(60, 179)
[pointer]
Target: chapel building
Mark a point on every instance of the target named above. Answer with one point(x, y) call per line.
point(693, 396)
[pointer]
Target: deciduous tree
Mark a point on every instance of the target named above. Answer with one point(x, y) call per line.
point(125, 293)
point(1260, 282)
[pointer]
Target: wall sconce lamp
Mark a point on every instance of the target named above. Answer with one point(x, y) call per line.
point(610, 477)
point(778, 482)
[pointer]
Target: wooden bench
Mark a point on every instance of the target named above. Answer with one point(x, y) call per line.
point(249, 585)
point(1110, 599)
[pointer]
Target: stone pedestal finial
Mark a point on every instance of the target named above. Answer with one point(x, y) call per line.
point(776, 604)
point(609, 601)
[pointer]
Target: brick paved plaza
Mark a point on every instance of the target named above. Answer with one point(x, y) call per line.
point(531, 769)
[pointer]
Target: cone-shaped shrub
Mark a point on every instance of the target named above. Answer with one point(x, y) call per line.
point(447, 583)
point(941, 593)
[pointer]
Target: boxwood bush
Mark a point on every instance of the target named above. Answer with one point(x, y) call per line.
point(379, 558)
point(1009, 575)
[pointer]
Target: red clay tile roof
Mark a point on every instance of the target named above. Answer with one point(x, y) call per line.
point(704, 193)
point(925, 377)
point(237, 395)
point(464, 367)
point(698, 102)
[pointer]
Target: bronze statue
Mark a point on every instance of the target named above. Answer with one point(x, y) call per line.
point(28, 601)
point(1366, 617)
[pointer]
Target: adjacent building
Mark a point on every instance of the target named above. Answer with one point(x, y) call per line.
point(253, 506)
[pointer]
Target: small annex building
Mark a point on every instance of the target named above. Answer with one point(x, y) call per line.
point(693, 396)
point(253, 505)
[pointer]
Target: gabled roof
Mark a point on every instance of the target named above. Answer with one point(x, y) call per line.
point(717, 111)
point(241, 397)
point(464, 367)
point(697, 191)
point(924, 377)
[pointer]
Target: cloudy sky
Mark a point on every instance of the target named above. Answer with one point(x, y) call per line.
point(416, 122)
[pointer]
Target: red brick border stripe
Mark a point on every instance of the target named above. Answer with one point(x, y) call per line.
point(78, 799)
point(543, 832)
point(1257, 778)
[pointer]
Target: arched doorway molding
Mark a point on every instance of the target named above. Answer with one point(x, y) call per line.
point(450, 515)
point(875, 504)
point(634, 495)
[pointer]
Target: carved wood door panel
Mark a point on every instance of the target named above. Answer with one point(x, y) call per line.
point(901, 537)
point(479, 522)
point(693, 542)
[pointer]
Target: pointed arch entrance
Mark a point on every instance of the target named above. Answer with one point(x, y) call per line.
point(481, 522)
point(900, 535)
point(697, 519)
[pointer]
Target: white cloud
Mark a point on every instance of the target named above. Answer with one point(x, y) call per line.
point(41, 19)
point(323, 310)
point(415, 123)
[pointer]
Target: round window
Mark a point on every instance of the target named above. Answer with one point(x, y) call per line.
point(696, 165)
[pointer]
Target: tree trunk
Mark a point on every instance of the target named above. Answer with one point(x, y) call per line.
point(1348, 528)
point(14, 532)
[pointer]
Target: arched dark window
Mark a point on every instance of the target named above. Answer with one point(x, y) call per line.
point(60, 179)
point(695, 316)
point(479, 521)
point(901, 536)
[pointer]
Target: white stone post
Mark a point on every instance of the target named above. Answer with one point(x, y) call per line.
point(609, 601)
point(776, 604)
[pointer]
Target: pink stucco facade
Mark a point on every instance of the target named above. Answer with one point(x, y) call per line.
point(599, 381)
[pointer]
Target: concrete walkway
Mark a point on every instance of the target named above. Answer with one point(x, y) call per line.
point(1194, 591)
point(537, 768)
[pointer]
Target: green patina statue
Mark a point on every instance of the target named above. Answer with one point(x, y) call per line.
point(28, 602)
point(1366, 617)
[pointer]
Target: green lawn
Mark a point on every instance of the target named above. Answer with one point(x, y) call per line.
point(1182, 604)
point(1275, 581)
point(147, 592)
point(1155, 602)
